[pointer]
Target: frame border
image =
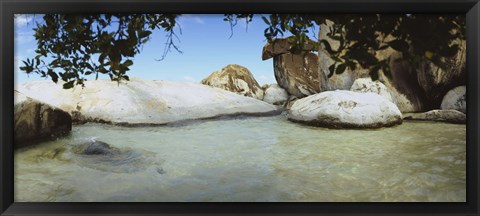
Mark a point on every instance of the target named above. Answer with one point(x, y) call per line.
point(9, 7)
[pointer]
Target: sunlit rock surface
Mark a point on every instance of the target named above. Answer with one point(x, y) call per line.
point(345, 109)
point(35, 121)
point(274, 94)
point(235, 78)
point(450, 116)
point(144, 102)
point(367, 85)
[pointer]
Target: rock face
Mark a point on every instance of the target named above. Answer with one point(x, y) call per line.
point(436, 82)
point(144, 102)
point(235, 78)
point(450, 116)
point(296, 72)
point(455, 99)
point(274, 94)
point(345, 109)
point(367, 85)
point(280, 46)
point(413, 88)
point(35, 121)
point(341, 81)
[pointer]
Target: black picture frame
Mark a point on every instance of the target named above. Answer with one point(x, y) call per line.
point(9, 7)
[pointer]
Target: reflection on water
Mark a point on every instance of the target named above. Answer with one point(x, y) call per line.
point(248, 159)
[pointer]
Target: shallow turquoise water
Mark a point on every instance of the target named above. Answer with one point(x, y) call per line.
point(249, 159)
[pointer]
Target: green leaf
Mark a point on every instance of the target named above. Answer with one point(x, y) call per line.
point(332, 70)
point(128, 63)
point(327, 46)
point(265, 20)
point(374, 72)
point(145, 34)
point(399, 45)
point(53, 75)
point(68, 85)
point(341, 68)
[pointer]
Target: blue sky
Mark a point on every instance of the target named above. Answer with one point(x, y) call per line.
point(204, 41)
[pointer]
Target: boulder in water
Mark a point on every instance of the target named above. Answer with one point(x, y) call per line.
point(455, 99)
point(144, 102)
point(35, 121)
point(345, 109)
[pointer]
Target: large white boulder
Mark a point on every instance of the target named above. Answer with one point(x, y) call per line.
point(455, 99)
point(345, 109)
point(149, 102)
point(35, 121)
point(274, 94)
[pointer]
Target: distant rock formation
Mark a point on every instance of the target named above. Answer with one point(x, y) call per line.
point(235, 78)
point(35, 121)
point(144, 102)
point(345, 109)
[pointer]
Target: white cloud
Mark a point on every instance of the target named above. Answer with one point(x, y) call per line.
point(22, 19)
point(189, 78)
point(23, 37)
point(17, 61)
point(190, 18)
point(198, 20)
point(263, 79)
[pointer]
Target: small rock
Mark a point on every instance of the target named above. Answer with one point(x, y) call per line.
point(450, 116)
point(455, 99)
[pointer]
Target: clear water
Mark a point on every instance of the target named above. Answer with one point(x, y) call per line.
point(249, 159)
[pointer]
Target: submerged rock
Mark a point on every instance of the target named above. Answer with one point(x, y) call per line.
point(345, 109)
point(144, 102)
point(450, 116)
point(235, 78)
point(455, 99)
point(94, 147)
point(35, 121)
point(105, 157)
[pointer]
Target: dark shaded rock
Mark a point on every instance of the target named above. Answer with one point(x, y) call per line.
point(95, 147)
point(414, 88)
point(297, 73)
point(455, 99)
point(35, 121)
